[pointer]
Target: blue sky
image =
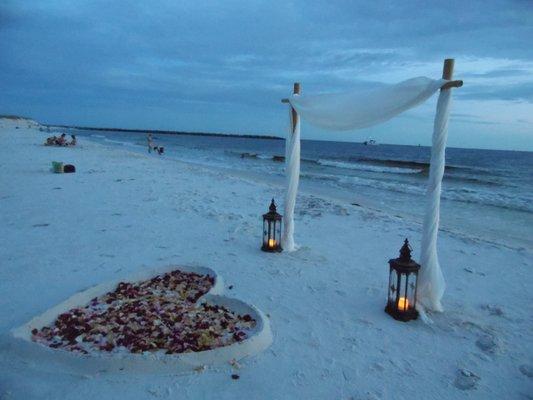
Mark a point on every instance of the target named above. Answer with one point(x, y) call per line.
point(223, 66)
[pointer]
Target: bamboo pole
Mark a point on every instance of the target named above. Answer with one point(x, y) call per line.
point(295, 116)
point(431, 280)
point(292, 171)
point(447, 71)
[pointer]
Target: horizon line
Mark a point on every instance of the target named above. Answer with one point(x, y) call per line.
point(254, 136)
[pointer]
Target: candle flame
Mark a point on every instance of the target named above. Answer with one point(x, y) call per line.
point(403, 304)
point(271, 243)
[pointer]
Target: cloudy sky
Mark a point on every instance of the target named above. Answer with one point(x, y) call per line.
point(223, 66)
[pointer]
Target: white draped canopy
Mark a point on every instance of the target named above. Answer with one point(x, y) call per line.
point(355, 110)
point(364, 108)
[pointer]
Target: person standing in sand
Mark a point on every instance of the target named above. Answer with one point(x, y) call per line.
point(150, 142)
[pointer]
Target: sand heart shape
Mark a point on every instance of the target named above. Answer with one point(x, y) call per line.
point(171, 321)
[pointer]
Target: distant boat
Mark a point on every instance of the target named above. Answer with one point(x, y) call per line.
point(370, 142)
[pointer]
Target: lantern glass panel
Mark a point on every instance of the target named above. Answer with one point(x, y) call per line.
point(271, 233)
point(268, 232)
point(400, 280)
point(277, 231)
point(392, 286)
point(411, 289)
point(265, 232)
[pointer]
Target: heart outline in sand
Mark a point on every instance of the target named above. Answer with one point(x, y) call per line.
point(20, 342)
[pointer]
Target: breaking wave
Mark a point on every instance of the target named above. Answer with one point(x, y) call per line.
point(464, 195)
point(367, 167)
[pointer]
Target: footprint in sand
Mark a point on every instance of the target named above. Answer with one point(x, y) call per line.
point(493, 310)
point(466, 380)
point(527, 370)
point(487, 343)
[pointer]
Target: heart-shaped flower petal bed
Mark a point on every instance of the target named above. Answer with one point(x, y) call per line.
point(159, 314)
point(159, 321)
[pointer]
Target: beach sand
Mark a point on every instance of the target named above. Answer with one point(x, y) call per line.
point(123, 211)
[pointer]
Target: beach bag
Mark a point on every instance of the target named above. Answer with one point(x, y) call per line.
point(57, 167)
point(69, 168)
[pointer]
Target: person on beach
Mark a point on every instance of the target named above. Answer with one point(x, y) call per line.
point(61, 141)
point(50, 141)
point(150, 142)
point(72, 141)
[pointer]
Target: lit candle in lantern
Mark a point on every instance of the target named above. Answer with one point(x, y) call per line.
point(403, 304)
point(271, 243)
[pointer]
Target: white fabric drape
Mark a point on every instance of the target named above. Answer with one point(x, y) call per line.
point(354, 110)
point(364, 108)
point(431, 283)
point(292, 171)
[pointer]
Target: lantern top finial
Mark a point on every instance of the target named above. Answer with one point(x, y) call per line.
point(405, 252)
point(404, 263)
point(272, 214)
point(272, 207)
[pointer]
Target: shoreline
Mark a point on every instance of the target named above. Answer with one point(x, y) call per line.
point(166, 132)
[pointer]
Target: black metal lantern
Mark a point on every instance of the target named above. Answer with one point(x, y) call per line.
point(272, 230)
point(403, 279)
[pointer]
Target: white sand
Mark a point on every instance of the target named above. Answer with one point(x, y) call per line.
point(122, 212)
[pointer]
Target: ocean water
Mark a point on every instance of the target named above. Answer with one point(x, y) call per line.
point(487, 194)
